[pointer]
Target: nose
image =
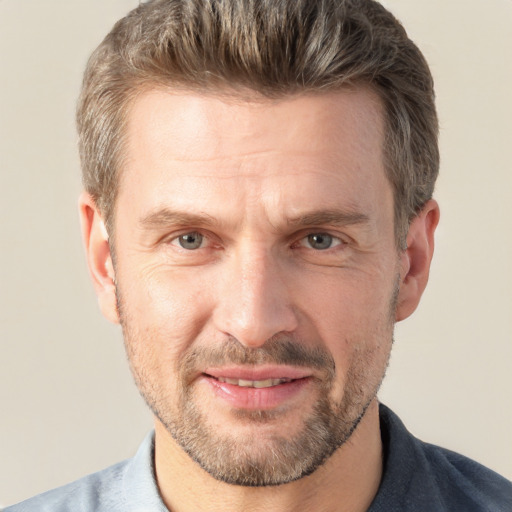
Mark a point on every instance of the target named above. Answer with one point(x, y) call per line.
point(254, 301)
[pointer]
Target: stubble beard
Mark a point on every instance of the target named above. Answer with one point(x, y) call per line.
point(276, 459)
point(251, 461)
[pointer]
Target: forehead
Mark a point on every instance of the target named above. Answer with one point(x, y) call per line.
point(193, 149)
point(238, 124)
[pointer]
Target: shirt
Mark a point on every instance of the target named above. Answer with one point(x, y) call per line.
point(417, 477)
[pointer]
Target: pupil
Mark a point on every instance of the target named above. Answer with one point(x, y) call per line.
point(320, 241)
point(191, 241)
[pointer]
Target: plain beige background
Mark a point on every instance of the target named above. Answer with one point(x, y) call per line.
point(68, 406)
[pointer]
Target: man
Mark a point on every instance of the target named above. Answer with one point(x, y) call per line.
point(258, 214)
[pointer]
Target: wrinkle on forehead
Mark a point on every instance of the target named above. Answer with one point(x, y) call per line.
point(212, 129)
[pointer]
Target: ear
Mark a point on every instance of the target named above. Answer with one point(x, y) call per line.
point(415, 260)
point(99, 260)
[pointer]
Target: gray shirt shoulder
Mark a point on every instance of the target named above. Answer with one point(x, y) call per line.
point(417, 477)
point(128, 486)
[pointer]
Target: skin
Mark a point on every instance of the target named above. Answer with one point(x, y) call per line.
point(256, 179)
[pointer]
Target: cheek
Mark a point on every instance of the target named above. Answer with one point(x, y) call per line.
point(165, 308)
point(347, 301)
point(352, 319)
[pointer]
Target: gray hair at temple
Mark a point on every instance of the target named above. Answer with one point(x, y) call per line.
point(268, 48)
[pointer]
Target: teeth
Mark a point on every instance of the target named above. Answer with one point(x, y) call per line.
point(253, 383)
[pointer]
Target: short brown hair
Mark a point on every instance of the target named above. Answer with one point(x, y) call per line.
point(274, 48)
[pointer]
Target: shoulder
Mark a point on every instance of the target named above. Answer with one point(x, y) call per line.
point(422, 476)
point(126, 486)
point(462, 480)
point(101, 491)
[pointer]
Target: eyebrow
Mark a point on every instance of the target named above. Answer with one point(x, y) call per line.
point(334, 217)
point(167, 217)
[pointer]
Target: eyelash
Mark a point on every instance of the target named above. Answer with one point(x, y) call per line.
point(305, 238)
point(335, 241)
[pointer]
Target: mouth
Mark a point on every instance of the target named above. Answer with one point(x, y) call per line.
point(259, 384)
point(257, 388)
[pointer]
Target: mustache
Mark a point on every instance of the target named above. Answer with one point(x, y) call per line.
point(280, 349)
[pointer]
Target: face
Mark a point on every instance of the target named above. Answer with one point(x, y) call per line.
point(257, 274)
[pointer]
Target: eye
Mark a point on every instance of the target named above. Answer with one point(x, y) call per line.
point(321, 241)
point(189, 241)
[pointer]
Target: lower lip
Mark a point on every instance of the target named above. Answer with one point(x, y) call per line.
point(257, 398)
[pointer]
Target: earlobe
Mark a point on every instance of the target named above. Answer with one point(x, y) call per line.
point(99, 259)
point(416, 259)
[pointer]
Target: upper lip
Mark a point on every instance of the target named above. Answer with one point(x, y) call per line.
point(263, 372)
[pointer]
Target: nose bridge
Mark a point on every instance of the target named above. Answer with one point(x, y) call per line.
point(255, 302)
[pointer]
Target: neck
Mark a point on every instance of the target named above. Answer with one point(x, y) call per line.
point(348, 480)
